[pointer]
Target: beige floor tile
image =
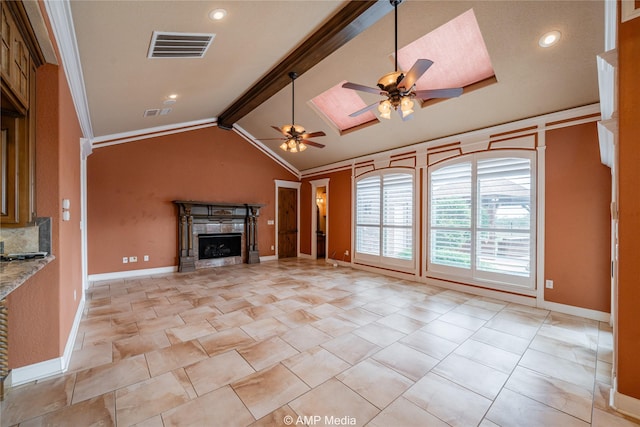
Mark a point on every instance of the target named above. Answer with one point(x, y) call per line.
point(279, 417)
point(217, 371)
point(380, 308)
point(514, 409)
point(110, 334)
point(230, 320)
point(358, 315)
point(266, 353)
point(351, 348)
point(404, 413)
point(260, 312)
point(444, 399)
point(297, 318)
point(149, 326)
point(30, 401)
point(199, 313)
point(172, 309)
point(305, 337)
point(475, 376)
point(563, 396)
point(471, 309)
point(557, 367)
point(189, 331)
point(502, 340)
point(515, 323)
point(221, 407)
point(405, 360)
point(334, 399)
point(106, 378)
point(173, 357)
point(223, 341)
point(430, 344)
point(265, 328)
point(401, 323)
point(420, 313)
point(268, 390)
point(146, 399)
point(99, 411)
point(91, 356)
point(139, 344)
point(463, 320)
point(572, 352)
point(488, 355)
point(378, 334)
point(334, 326)
point(315, 365)
point(608, 419)
point(448, 331)
point(375, 382)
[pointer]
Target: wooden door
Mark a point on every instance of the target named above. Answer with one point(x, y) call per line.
point(287, 222)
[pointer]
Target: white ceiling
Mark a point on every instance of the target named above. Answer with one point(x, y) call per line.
point(113, 39)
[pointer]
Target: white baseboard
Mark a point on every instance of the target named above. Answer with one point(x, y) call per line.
point(624, 404)
point(587, 313)
point(269, 258)
point(51, 367)
point(131, 273)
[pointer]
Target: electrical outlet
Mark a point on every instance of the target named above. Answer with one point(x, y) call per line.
point(125, 260)
point(548, 284)
point(273, 248)
point(346, 253)
point(146, 258)
point(133, 259)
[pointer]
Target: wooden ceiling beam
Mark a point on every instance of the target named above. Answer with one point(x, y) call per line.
point(351, 20)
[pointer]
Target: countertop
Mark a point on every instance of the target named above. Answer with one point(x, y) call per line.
point(15, 273)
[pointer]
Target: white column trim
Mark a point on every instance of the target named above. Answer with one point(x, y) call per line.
point(540, 215)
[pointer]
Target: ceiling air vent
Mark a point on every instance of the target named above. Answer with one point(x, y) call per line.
point(151, 112)
point(179, 45)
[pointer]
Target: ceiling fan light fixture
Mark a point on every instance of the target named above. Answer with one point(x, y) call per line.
point(389, 79)
point(385, 109)
point(302, 147)
point(284, 146)
point(406, 106)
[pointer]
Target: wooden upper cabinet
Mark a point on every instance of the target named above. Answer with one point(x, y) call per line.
point(17, 150)
point(15, 60)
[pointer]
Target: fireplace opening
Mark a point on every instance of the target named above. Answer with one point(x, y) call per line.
point(219, 245)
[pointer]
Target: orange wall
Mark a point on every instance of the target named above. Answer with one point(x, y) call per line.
point(577, 219)
point(629, 209)
point(42, 310)
point(339, 206)
point(131, 188)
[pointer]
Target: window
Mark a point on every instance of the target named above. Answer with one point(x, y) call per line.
point(384, 219)
point(482, 218)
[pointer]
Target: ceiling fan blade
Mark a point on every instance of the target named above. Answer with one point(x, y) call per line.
point(280, 131)
point(355, 86)
point(418, 69)
point(439, 93)
point(313, 144)
point(312, 135)
point(364, 110)
point(272, 139)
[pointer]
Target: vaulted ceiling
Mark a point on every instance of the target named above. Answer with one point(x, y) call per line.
point(242, 79)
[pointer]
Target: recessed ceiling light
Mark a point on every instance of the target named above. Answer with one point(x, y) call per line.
point(549, 39)
point(217, 14)
point(173, 96)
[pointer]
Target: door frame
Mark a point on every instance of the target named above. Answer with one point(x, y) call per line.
point(295, 185)
point(314, 217)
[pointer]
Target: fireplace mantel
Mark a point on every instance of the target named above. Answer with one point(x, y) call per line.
point(192, 212)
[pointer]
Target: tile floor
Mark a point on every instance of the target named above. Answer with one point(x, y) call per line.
point(297, 342)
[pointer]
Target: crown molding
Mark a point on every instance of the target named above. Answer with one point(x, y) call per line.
point(62, 24)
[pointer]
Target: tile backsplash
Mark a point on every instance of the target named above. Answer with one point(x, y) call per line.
point(34, 238)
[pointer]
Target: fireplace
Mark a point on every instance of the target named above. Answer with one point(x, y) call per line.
point(219, 245)
point(216, 234)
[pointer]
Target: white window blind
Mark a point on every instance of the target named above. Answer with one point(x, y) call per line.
point(481, 218)
point(450, 240)
point(384, 217)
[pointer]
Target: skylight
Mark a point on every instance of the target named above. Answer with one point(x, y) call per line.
point(460, 59)
point(337, 103)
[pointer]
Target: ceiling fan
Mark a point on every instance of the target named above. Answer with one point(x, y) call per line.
point(399, 87)
point(295, 139)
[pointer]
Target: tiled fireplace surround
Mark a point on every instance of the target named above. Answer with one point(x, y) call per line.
point(196, 218)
